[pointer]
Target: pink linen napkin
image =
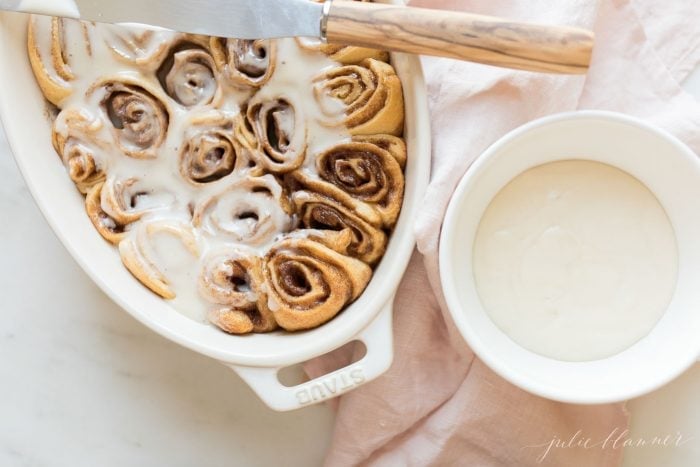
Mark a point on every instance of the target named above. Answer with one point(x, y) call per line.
point(438, 404)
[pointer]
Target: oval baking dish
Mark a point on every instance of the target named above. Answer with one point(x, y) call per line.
point(256, 358)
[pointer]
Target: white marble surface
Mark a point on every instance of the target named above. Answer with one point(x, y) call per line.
point(83, 384)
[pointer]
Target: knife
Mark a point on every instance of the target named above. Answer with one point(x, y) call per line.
point(463, 36)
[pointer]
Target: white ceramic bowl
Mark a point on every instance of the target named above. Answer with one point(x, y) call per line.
point(668, 168)
point(256, 358)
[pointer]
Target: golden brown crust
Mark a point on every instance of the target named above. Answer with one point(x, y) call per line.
point(348, 55)
point(366, 172)
point(309, 283)
point(362, 175)
point(372, 94)
point(53, 74)
point(395, 145)
point(352, 235)
point(303, 181)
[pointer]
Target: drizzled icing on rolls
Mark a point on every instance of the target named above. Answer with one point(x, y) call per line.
point(252, 183)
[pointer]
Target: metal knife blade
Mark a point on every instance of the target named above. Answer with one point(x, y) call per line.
point(243, 19)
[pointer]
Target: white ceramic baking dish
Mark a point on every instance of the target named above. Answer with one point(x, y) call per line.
point(256, 358)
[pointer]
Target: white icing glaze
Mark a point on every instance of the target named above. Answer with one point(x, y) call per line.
point(157, 189)
point(575, 260)
point(244, 216)
point(252, 56)
point(192, 81)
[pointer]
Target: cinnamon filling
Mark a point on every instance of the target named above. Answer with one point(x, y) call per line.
point(294, 280)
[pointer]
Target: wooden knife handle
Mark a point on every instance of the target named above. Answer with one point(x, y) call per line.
point(464, 36)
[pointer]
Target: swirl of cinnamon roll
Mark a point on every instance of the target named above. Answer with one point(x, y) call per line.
point(189, 77)
point(280, 130)
point(54, 46)
point(75, 136)
point(141, 258)
point(366, 175)
point(209, 152)
point(309, 283)
point(244, 62)
point(365, 171)
point(234, 278)
point(251, 211)
point(109, 228)
point(371, 95)
point(395, 145)
point(82, 168)
point(139, 119)
point(361, 239)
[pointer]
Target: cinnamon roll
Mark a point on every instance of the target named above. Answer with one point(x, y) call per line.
point(189, 77)
point(280, 130)
point(210, 152)
point(247, 63)
point(371, 95)
point(139, 119)
point(140, 258)
point(233, 278)
point(52, 54)
point(360, 239)
point(367, 172)
point(251, 211)
point(309, 283)
point(75, 136)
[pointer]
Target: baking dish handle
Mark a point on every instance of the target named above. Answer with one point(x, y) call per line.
point(377, 337)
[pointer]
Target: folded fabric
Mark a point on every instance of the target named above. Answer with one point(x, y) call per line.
point(438, 404)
